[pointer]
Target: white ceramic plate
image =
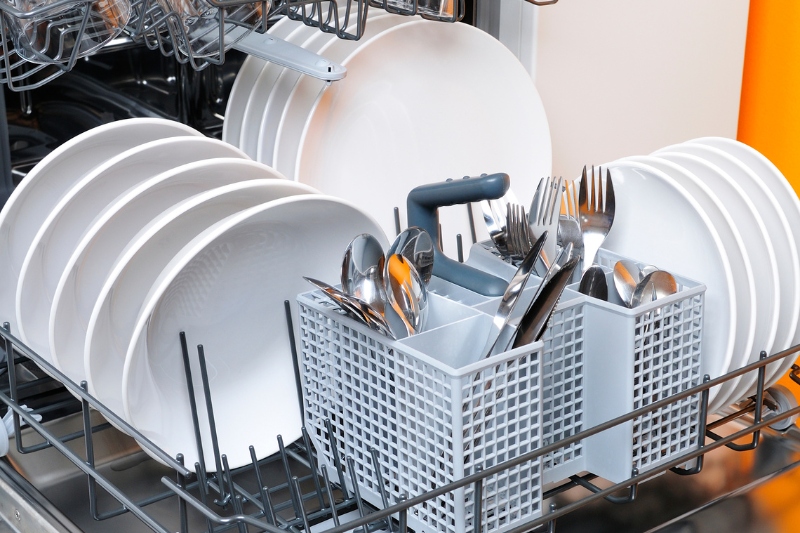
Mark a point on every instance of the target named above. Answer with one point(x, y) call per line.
point(759, 250)
point(306, 91)
point(122, 296)
point(780, 187)
point(32, 200)
point(93, 258)
point(780, 233)
point(262, 93)
point(738, 256)
point(226, 291)
point(690, 245)
point(243, 86)
point(78, 208)
point(451, 102)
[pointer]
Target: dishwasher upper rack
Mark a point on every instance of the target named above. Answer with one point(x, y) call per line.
point(155, 24)
point(222, 502)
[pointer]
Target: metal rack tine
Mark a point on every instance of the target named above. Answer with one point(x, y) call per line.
point(295, 487)
point(203, 489)
point(460, 248)
point(288, 473)
point(376, 468)
point(266, 500)
point(182, 509)
point(313, 463)
point(477, 513)
point(336, 459)
point(397, 221)
point(354, 479)
point(402, 517)
point(633, 489)
point(701, 435)
point(224, 496)
point(187, 370)
point(226, 477)
point(327, 481)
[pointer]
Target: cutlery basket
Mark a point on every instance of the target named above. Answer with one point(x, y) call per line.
point(623, 359)
point(430, 406)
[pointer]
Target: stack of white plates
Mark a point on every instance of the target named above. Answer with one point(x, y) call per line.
point(422, 102)
point(141, 229)
point(717, 211)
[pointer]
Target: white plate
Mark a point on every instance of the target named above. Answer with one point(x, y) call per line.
point(780, 234)
point(78, 208)
point(243, 86)
point(717, 210)
point(122, 296)
point(93, 258)
point(226, 291)
point(451, 102)
point(32, 200)
point(689, 244)
point(306, 91)
point(759, 250)
point(787, 198)
point(262, 93)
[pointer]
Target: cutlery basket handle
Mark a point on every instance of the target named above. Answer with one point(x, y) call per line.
point(423, 211)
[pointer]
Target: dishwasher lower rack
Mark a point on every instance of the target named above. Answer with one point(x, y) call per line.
point(288, 492)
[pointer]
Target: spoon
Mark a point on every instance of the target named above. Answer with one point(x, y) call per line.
point(511, 296)
point(362, 271)
point(626, 276)
point(355, 308)
point(416, 245)
point(594, 284)
point(407, 293)
point(654, 286)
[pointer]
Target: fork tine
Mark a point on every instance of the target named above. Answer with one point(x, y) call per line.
point(583, 192)
point(610, 199)
point(540, 216)
point(601, 197)
point(535, 204)
point(556, 200)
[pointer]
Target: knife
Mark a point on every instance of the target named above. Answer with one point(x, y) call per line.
point(534, 321)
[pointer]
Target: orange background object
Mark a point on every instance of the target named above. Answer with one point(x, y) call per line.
point(769, 113)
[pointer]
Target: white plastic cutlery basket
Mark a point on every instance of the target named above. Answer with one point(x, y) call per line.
point(602, 360)
point(431, 407)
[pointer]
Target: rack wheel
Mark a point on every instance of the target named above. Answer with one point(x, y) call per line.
point(785, 400)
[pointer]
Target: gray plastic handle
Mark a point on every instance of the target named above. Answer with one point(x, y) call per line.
point(423, 210)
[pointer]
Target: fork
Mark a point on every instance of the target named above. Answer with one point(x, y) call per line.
point(569, 228)
point(544, 213)
point(596, 211)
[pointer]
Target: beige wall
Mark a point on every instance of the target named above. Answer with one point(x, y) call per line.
point(625, 77)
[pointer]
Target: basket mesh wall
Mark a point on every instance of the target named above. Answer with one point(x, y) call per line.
point(562, 384)
point(666, 362)
point(389, 399)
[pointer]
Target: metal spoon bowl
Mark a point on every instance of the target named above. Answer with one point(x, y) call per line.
point(416, 245)
point(407, 293)
point(654, 286)
point(362, 271)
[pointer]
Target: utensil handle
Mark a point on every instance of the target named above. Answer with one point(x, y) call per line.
point(423, 211)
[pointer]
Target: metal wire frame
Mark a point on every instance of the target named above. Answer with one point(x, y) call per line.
point(228, 495)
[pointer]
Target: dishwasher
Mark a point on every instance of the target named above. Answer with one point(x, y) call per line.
point(68, 467)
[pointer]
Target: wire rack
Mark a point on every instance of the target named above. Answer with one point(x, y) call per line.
point(312, 494)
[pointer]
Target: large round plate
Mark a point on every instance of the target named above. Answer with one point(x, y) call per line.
point(262, 93)
point(787, 198)
point(659, 222)
point(243, 86)
point(781, 236)
point(78, 208)
point(759, 250)
point(717, 210)
point(34, 198)
point(122, 296)
point(94, 256)
point(451, 102)
point(307, 90)
point(226, 291)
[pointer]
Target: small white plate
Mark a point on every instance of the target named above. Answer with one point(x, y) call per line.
point(68, 221)
point(226, 291)
point(32, 200)
point(307, 90)
point(94, 256)
point(452, 101)
point(785, 195)
point(761, 256)
point(262, 90)
point(738, 256)
point(243, 86)
point(122, 296)
point(780, 233)
point(659, 222)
